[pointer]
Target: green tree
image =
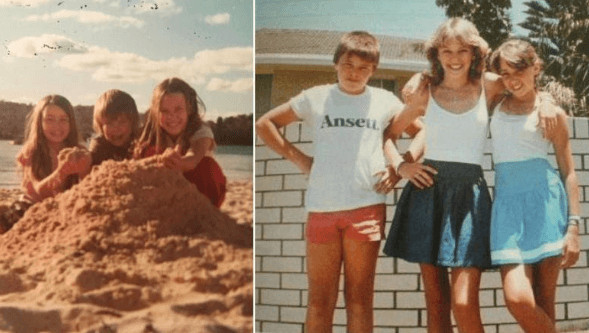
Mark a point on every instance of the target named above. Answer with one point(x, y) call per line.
point(490, 17)
point(560, 31)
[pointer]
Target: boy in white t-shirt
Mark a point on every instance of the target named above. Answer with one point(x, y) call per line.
point(348, 179)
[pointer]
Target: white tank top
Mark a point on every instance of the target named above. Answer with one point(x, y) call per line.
point(517, 137)
point(456, 137)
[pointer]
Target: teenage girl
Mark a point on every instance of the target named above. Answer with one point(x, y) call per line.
point(447, 225)
point(533, 235)
point(175, 130)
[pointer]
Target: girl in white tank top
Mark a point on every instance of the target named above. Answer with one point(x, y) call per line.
point(447, 225)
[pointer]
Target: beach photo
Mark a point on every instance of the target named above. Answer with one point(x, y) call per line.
point(323, 69)
point(126, 174)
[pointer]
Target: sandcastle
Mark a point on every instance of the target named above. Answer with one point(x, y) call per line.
point(134, 247)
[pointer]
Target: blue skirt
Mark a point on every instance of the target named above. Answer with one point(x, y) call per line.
point(447, 224)
point(529, 218)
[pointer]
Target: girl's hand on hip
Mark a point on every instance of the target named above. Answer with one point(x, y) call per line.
point(418, 174)
point(171, 159)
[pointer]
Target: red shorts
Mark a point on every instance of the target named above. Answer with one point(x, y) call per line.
point(363, 224)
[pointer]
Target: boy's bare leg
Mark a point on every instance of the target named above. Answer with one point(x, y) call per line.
point(520, 300)
point(359, 271)
point(465, 299)
point(545, 277)
point(437, 298)
point(323, 271)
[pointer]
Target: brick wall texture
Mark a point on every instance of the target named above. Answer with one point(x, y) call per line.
point(399, 307)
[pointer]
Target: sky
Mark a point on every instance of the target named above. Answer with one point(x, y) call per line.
point(81, 48)
point(403, 18)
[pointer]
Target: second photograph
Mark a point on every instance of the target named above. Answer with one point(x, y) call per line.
point(416, 169)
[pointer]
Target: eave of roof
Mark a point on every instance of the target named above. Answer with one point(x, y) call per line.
point(327, 60)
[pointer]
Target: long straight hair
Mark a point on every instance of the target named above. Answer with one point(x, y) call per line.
point(153, 134)
point(36, 148)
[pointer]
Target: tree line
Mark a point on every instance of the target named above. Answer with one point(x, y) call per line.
point(558, 29)
point(234, 130)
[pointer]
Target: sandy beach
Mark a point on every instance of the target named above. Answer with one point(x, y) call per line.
point(133, 248)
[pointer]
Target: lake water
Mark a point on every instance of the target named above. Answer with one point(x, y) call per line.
point(236, 161)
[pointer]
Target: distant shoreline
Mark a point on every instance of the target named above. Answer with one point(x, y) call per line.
point(232, 130)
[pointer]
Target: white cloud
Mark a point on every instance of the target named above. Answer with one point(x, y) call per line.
point(220, 61)
point(239, 85)
point(22, 3)
point(217, 19)
point(28, 47)
point(163, 7)
point(108, 66)
point(88, 17)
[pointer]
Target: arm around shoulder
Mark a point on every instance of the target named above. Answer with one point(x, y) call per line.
point(494, 89)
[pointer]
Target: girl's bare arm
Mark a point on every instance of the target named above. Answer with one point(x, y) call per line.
point(564, 158)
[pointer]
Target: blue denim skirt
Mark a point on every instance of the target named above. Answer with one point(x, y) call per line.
point(447, 224)
point(529, 217)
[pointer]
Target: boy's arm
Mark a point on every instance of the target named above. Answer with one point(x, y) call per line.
point(267, 128)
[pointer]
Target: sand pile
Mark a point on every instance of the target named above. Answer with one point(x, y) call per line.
point(239, 200)
point(133, 248)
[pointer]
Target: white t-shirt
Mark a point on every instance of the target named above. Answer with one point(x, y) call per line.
point(205, 131)
point(348, 144)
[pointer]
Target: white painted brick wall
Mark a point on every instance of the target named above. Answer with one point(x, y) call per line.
point(281, 282)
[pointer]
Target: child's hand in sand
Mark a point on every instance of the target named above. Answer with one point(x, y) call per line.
point(172, 158)
point(66, 161)
point(73, 160)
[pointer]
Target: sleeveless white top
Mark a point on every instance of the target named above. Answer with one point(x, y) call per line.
point(455, 137)
point(517, 137)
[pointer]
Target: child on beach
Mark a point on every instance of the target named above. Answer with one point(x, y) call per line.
point(447, 225)
point(116, 123)
point(533, 235)
point(174, 129)
point(52, 158)
point(345, 213)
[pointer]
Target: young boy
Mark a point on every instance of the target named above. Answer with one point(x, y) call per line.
point(116, 122)
point(346, 214)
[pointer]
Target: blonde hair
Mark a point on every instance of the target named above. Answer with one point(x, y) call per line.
point(465, 32)
point(112, 104)
point(359, 43)
point(152, 133)
point(35, 148)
